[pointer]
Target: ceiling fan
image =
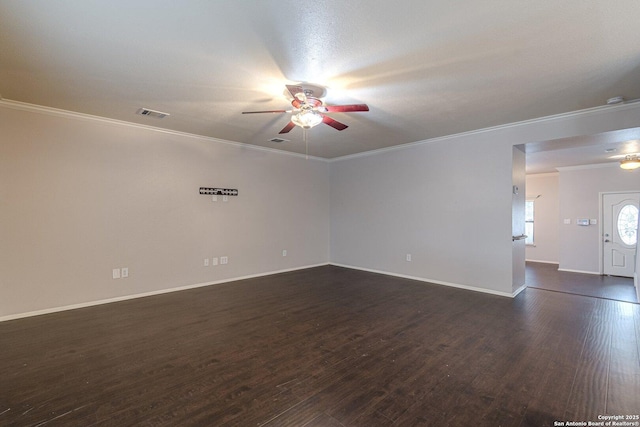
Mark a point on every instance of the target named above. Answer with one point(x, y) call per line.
point(308, 110)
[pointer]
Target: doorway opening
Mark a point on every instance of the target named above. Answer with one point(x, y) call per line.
point(568, 179)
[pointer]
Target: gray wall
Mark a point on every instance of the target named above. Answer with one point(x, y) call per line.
point(579, 189)
point(518, 218)
point(546, 217)
point(79, 197)
point(446, 201)
point(453, 217)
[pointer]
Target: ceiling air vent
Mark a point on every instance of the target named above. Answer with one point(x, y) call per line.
point(152, 113)
point(278, 140)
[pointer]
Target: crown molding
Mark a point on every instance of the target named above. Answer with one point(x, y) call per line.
point(24, 106)
point(629, 105)
point(593, 166)
point(542, 174)
point(17, 105)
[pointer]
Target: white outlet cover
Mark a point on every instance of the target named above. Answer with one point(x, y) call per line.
point(206, 262)
point(224, 260)
point(124, 272)
point(408, 258)
point(567, 221)
point(225, 198)
point(116, 273)
point(214, 198)
point(284, 252)
point(214, 261)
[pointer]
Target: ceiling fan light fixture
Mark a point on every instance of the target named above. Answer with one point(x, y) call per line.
point(630, 163)
point(307, 118)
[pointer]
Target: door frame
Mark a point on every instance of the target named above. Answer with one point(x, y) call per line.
point(601, 228)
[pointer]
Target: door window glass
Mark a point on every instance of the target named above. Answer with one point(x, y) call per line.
point(628, 225)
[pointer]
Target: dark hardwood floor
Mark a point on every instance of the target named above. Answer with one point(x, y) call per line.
point(546, 276)
point(326, 347)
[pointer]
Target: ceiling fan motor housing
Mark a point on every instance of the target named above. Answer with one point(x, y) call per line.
point(307, 103)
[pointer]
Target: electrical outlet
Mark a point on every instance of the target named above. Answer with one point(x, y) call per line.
point(116, 273)
point(124, 272)
point(224, 260)
point(214, 198)
point(284, 252)
point(214, 261)
point(408, 258)
point(206, 262)
point(225, 198)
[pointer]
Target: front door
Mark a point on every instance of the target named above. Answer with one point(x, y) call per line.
point(619, 233)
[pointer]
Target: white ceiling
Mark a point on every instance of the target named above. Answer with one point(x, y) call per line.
point(426, 68)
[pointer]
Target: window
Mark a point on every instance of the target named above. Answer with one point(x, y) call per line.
point(628, 225)
point(528, 222)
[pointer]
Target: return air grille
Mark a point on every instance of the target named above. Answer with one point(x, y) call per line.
point(152, 113)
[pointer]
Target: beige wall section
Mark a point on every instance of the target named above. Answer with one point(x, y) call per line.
point(80, 197)
point(518, 217)
point(546, 217)
point(579, 190)
point(446, 201)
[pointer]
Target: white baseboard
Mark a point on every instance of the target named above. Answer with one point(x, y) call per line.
point(520, 289)
point(578, 271)
point(543, 262)
point(435, 282)
point(148, 294)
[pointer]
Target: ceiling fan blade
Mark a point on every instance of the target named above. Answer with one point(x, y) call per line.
point(346, 108)
point(267, 111)
point(294, 89)
point(288, 128)
point(334, 123)
point(298, 94)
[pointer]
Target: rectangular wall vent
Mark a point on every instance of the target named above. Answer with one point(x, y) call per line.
point(219, 191)
point(152, 113)
point(278, 140)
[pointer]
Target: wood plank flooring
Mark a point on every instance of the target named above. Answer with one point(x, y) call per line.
point(328, 347)
point(546, 276)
